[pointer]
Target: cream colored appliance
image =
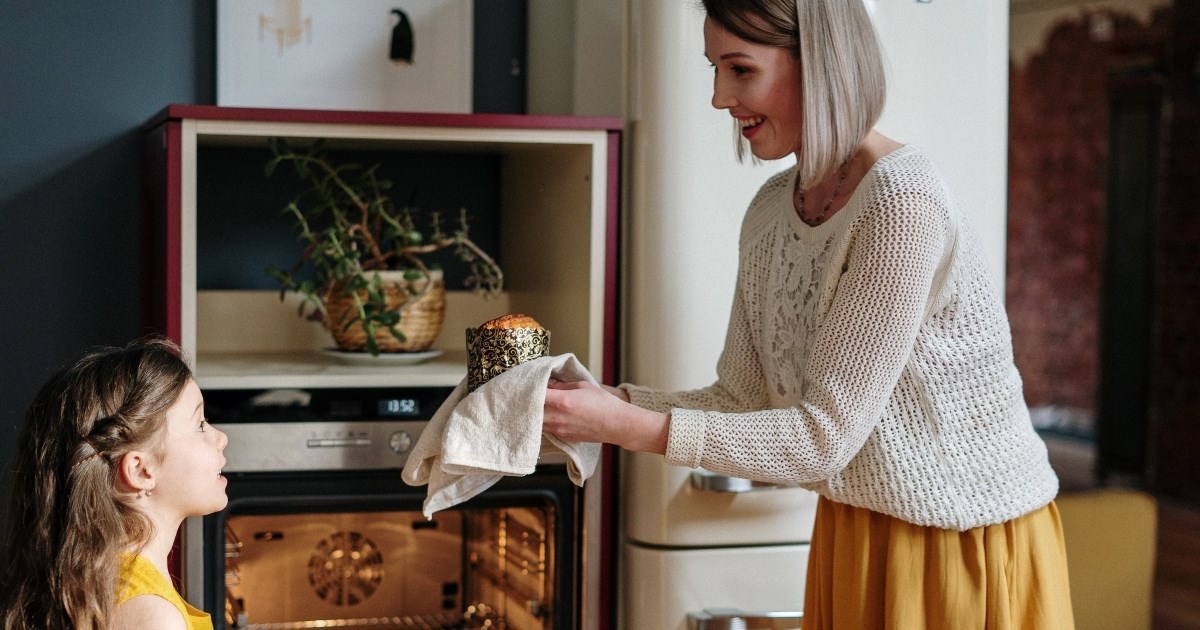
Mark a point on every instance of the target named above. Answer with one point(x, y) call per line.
point(320, 532)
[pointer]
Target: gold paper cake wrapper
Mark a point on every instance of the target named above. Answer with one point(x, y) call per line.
point(492, 351)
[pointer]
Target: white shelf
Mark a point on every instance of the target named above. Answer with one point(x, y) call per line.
point(313, 369)
point(557, 209)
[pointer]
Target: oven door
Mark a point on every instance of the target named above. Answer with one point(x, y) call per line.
point(350, 549)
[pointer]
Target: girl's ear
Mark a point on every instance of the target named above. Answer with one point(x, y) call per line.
point(135, 472)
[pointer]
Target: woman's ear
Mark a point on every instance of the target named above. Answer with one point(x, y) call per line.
point(135, 472)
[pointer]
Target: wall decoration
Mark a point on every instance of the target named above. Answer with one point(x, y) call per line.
point(384, 55)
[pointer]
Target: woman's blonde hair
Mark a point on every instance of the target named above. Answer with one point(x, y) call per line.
point(67, 524)
point(842, 81)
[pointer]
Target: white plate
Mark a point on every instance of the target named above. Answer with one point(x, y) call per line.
point(383, 358)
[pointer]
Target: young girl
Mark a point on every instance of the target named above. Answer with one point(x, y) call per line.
point(867, 358)
point(114, 455)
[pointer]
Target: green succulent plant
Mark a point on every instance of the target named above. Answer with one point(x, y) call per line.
point(350, 228)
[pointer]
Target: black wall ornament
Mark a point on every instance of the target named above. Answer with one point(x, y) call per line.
point(402, 40)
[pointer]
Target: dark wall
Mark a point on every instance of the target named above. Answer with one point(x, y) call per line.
point(76, 81)
point(1176, 432)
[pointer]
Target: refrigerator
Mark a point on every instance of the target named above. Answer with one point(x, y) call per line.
point(700, 551)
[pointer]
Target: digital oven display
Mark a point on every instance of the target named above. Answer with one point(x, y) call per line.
point(322, 405)
point(399, 408)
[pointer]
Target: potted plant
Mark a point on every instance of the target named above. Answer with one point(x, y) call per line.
point(369, 284)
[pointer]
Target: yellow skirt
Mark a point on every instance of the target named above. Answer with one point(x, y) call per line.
point(870, 571)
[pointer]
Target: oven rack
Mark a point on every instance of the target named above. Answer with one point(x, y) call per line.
point(445, 621)
point(511, 558)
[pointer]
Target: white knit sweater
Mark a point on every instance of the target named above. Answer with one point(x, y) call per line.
point(868, 359)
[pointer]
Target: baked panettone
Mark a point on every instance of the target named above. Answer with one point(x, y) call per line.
point(501, 343)
point(512, 320)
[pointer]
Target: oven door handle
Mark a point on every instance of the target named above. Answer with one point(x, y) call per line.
point(733, 619)
point(705, 481)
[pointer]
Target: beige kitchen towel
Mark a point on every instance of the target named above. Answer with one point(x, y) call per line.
point(476, 438)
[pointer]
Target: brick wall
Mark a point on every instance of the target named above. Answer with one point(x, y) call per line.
point(1058, 144)
point(1057, 179)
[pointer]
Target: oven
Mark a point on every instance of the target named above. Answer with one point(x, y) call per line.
point(321, 532)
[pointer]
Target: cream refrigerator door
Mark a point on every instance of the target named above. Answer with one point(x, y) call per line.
point(714, 585)
point(687, 196)
point(679, 507)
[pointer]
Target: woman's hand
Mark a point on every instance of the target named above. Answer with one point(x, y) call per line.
point(583, 412)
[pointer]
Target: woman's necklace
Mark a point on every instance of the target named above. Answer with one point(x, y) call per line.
point(837, 188)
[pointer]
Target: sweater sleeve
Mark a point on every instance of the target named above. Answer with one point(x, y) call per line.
point(861, 346)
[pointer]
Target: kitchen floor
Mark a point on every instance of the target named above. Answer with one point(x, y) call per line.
point(1177, 561)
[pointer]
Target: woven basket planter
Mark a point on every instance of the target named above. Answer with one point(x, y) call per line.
point(420, 319)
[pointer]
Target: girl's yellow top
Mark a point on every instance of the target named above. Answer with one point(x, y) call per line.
point(140, 577)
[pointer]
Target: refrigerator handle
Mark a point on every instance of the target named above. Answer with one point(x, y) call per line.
point(705, 481)
point(733, 619)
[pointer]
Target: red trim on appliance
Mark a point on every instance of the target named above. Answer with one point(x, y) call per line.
point(612, 260)
point(606, 608)
point(610, 522)
point(511, 121)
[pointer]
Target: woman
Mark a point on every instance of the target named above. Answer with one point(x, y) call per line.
point(114, 454)
point(867, 356)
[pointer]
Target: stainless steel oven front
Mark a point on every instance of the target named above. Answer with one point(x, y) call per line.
point(321, 532)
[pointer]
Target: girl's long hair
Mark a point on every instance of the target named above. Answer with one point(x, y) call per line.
point(67, 525)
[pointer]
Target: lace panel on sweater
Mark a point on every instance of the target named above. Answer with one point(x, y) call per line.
point(792, 309)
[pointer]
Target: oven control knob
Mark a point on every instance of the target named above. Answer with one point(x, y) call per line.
point(400, 442)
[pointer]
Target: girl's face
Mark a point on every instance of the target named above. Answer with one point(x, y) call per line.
point(189, 480)
point(760, 86)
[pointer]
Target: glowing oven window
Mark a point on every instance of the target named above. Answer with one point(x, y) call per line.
point(464, 569)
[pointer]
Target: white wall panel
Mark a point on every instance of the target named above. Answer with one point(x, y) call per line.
point(948, 93)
